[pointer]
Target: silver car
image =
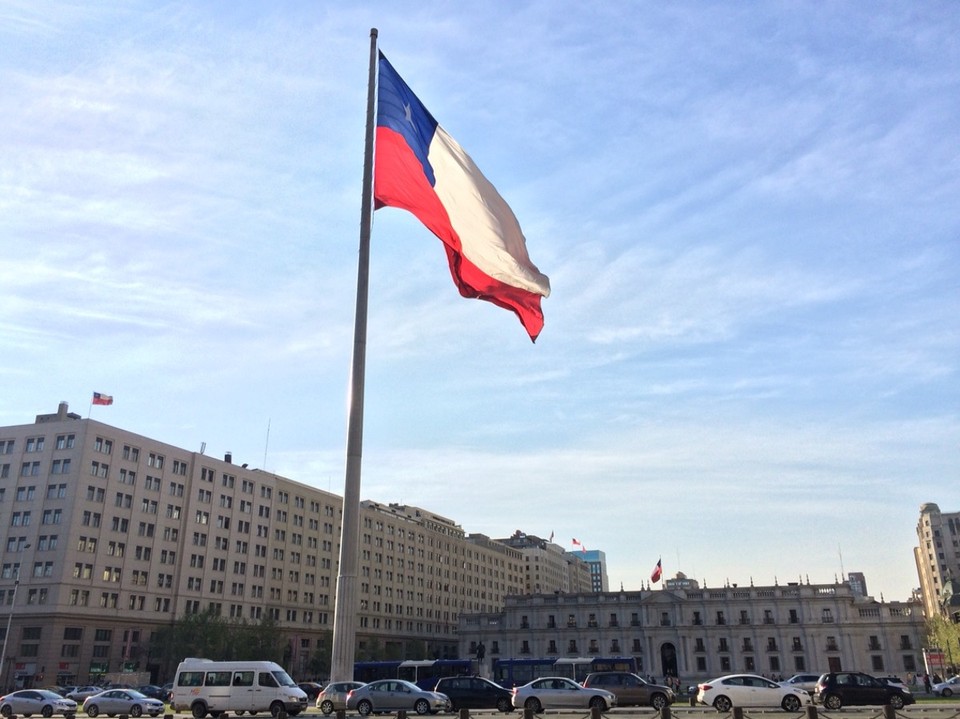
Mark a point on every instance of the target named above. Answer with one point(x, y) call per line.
point(36, 701)
point(122, 701)
point(561, 693)
point(334, 696)
point(391, 695)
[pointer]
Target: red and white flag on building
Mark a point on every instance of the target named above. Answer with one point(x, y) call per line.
point(99, 398)
point(657, 571)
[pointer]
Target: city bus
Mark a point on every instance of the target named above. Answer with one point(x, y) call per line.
point(515, 672)
point(422, 672)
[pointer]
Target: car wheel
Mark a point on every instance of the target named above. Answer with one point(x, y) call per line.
point(136, 710)
point(791, 703)
point(46, 711)
point(533, 704)
point(326, 706)
point(6, 710)
point(658, 701)
point(896, 701)
point(365, 707)
point(199, 710)
point(598, 703)
point(276, 708)
point(422, 707)
point(93, 710)
point(504, 705)
point(947, 693)
point(722, 704)
point(832, 701)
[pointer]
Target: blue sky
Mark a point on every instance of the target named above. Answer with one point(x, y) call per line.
point(748, 212)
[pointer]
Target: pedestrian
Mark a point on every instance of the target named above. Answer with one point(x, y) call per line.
point(927, 685)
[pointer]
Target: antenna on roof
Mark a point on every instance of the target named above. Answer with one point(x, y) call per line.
point(266, 444)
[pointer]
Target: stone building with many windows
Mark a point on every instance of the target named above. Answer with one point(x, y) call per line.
point(938, 561)
point(109, 535)
point(699, 633)
point(547, 566)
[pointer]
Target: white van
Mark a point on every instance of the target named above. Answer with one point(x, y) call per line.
point(203, 686)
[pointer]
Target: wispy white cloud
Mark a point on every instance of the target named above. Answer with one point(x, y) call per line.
point(747, 215)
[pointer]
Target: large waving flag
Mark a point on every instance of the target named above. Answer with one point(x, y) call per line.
point(420, 168)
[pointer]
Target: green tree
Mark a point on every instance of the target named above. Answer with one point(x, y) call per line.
point(945, 635)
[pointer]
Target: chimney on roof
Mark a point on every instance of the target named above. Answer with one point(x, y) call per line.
point(228, 458)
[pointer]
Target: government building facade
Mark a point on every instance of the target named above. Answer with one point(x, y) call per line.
point(697, 633)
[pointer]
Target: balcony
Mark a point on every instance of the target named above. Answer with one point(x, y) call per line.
point(665, 622)
point(524, 625)
point(613, 623)
point(833, 648)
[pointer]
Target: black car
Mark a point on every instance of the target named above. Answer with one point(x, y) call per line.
point(311, 689)
point(474, 693)
point(839, 689)
point(154, 692)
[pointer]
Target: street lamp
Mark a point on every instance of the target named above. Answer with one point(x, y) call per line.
point(6, 636)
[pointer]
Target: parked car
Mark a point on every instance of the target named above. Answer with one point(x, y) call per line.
point(154, 692)
point(631, 689)
point(474, 693)
point(334, 696)
point(560, 693)
point(36, 701)
point(391, 695)
point(840, 689)
point(947, 688)
point(807, 682)
point(750, 690)
point(81, 693)
point(895, 682)
point(122, 701)
point(311, 689)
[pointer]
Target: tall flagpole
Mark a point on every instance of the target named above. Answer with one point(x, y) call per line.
point(345, 609)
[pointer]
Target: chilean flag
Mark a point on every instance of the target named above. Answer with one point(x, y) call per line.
point(657, 571)
point(421, 169)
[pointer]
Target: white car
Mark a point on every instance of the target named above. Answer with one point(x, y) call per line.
point(560, 693)
point(750, 690)
point(947, 688)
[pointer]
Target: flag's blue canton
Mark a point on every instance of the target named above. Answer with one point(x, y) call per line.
point(400, 110)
